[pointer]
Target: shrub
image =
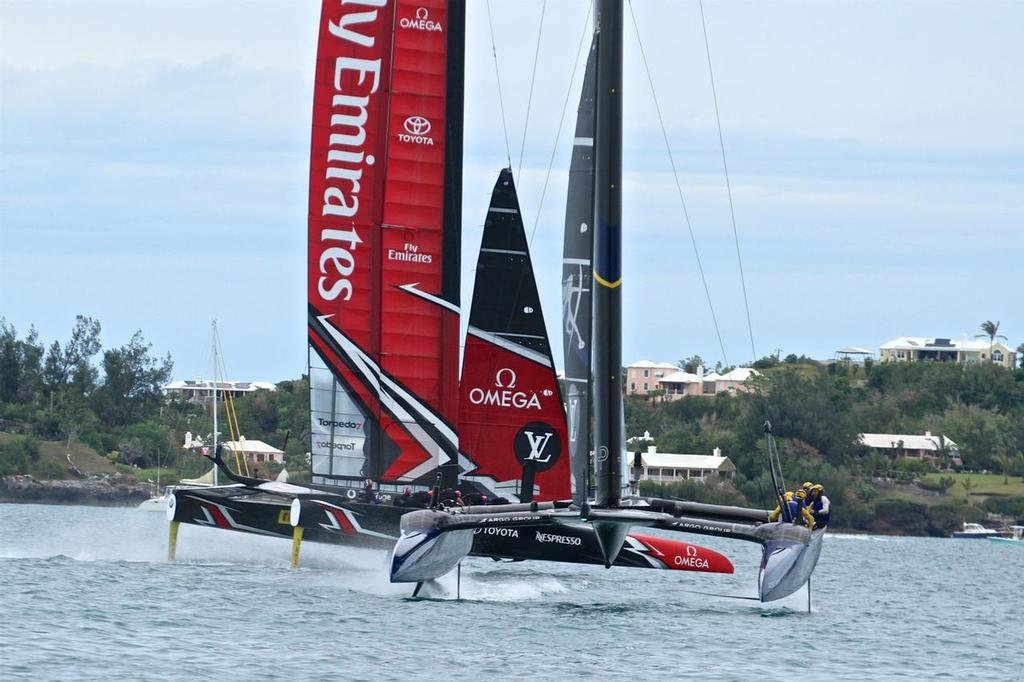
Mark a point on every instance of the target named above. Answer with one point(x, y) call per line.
point(1008, 506)
point(892, 514)
point(949, 515)
point(712, 492)
point(941, 485)
point(50, 469)
point(865, 491)
point(17, 454)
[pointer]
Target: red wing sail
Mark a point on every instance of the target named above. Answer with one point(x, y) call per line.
point(382, 329)
point(511, 420)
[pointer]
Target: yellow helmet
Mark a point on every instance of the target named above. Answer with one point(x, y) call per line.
point(789, 496)
point(801, 493)
point(819, 487)
point(807, 485)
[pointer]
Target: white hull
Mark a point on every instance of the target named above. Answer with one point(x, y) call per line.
point(156, 504)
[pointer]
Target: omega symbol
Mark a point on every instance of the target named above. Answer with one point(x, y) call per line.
point(508, 374)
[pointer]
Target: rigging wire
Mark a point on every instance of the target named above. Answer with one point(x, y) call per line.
point(497, 78)
point(220, 373)
point(728, 184)
point(561, 123)
point(533, 80)
point(679, 188)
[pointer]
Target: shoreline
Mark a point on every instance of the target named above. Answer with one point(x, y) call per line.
point(92, 492)
point(99, 493)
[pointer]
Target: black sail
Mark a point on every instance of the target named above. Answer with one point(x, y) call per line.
point(577, 253)
point(511, 421)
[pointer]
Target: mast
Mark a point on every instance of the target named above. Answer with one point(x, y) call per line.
point(214, 341)
point(451, 245)
point(609, 438)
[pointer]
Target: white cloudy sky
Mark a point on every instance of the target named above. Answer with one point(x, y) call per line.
point(153, 170)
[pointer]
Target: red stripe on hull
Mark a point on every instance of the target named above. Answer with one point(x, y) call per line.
point(683, 556)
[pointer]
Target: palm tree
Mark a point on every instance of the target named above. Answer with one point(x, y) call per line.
point(1005, 463)
point(968, 485)
point(991, 330)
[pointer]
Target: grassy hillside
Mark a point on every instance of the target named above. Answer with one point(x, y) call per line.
point(983, 485)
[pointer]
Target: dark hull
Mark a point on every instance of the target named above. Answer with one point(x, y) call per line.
point(376, 526)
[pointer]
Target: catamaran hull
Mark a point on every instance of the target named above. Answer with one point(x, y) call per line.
point(787, 563)
point(359, 524)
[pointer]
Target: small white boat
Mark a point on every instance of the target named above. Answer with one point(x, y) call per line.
point(974, 531)
point(1017, 537)
point(156, 504)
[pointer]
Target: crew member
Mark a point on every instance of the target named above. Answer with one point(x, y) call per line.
point(792, 510)
point(805, 517)
point(806, 487)
point(368, 494)
point(405, 500)
point(820, 506)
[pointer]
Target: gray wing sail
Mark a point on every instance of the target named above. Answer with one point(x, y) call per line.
point(576, 278)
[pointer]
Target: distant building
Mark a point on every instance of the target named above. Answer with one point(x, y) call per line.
point(964, 351)
point(854, 354)
point(200, 390)
point(254, 451)
point(680, 384)
point(665, 467)
point(930, 448)
point(643, 377)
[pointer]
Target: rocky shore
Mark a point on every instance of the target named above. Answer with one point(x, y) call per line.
point(101, 492)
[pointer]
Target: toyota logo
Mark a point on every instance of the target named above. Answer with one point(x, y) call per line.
point(417, 125)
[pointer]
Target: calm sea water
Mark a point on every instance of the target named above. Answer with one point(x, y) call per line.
point(86, 594)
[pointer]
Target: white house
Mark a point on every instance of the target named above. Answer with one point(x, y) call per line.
point(255, 451)
point(200, 390)
point(964, 350)
point(915, 446)
point(643, 377)
point(679, 383)
point(665, 467)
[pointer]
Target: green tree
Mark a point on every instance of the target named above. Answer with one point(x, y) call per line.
point(132, 383)
point(145, 444)
point(68, 369)
point(809, 408)
point(991, 330)
point(968, 485)
point(20, 365)
point(979, 433)
point(1004, 463)
point(75, 418)
point(691, 364)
